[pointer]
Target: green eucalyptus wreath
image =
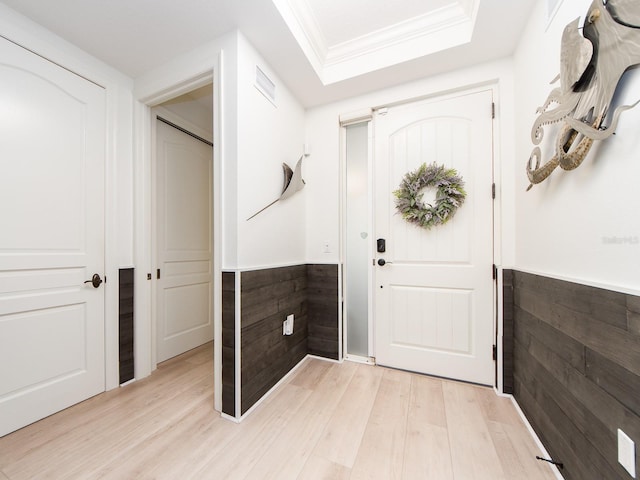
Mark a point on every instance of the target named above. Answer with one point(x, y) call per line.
point(449, 196)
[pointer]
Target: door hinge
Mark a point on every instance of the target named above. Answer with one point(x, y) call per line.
point(494, 353)
point(495, 271)
point(158, 274)
point(493, 191)
point(493, 110)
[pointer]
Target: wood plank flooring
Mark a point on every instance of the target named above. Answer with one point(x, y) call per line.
point(328, 421)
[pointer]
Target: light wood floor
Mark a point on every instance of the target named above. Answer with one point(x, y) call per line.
point(329, 421)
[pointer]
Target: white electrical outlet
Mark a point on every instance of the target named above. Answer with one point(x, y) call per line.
point(287, 325)
point(326, 247)
point(627, 453)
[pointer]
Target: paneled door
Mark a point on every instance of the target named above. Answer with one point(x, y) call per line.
point(434, 293)
point(52, 154)
point(184, 179)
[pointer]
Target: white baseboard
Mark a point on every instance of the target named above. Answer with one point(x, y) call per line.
point(533, 434)
point(269, 392)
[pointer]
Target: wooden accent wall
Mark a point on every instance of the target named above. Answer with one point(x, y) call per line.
point(125, 324)
point(268, 296)
point(577, 371)
point(507, 331)
point(228, 343)
point(323, 310)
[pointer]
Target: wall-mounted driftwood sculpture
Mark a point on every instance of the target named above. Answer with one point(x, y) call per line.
point(591, 66)
point(293, 183)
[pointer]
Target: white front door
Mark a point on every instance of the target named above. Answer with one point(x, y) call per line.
point(184, 177)
point(434, 296)
point(52, 143)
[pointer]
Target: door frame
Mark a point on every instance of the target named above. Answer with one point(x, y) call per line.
point(159, 111)
point(363, 115)
point(346, 120)
point(165, 89)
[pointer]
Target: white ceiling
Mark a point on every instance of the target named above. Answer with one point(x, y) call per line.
point(323, 50)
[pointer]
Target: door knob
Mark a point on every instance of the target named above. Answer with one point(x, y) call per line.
point(382, 262)
point(95, 280)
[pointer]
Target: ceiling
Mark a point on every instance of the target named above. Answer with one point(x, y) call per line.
point(323, 50)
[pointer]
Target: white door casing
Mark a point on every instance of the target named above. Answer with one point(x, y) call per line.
point(52, 154)
point(434, 297)
point(184, 180)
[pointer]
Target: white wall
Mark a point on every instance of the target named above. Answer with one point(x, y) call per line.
point(323, 166)
point(268, 135)
point(567, 225)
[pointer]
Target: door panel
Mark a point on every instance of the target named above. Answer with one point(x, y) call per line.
point(434, 296)
point(184, 238)
point(52, 238)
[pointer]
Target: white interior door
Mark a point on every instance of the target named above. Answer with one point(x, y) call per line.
point(184, 167)
point(434, 296)
point(52, 126)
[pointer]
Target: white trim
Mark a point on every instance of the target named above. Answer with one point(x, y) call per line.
point(580, 281)
point(325, 359)
point(269, 392)
point(230, 418)
point(360, 359)
point(359, 116)
point(218, 156)
point(500, 333)
point(534, 435)
point(371, 324)
point(269, 267)
point(421, 27)
point(238, 345)
point(431, 32)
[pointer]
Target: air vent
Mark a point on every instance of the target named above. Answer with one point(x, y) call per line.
point(265, 85)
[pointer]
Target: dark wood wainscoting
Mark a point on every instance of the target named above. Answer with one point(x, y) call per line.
point(576, 371)
point(229, 343)
point(125, 323)
point(322, 294)
point(507, 331)
point(266, 297)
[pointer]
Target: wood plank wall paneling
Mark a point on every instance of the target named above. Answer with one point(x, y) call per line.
point(323, 310)
point(507, 331)
point(267, 297)
point(125, 323)
point(577, 371)
point(228, 342)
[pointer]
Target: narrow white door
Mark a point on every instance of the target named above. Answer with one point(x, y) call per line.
point(52, 130)
point(433, 305)
point(184, 167)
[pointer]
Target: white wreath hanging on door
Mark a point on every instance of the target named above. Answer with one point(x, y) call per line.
point(450, 195)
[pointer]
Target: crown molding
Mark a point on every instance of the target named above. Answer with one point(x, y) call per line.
point(434, 31)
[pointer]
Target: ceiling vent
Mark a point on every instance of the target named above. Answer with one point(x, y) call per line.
point(265, 85)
